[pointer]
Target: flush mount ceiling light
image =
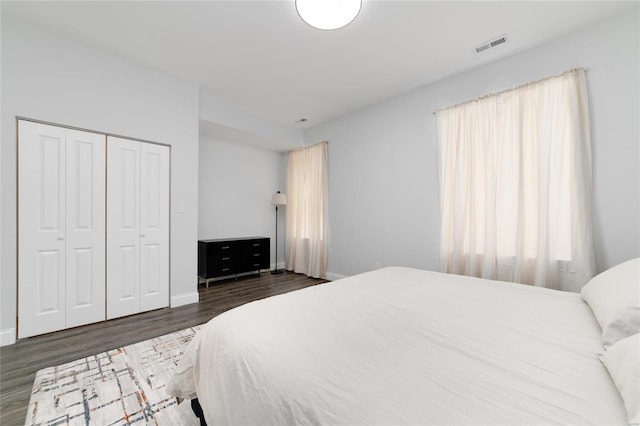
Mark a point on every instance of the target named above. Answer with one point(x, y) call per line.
point(328, 14)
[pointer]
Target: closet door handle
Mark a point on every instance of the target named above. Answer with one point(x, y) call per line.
point(60, 237)
point(143, 235)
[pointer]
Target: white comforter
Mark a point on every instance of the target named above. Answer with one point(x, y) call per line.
point(403, 346)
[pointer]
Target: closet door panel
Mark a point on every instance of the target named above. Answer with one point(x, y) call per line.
point(123, 227)
point(41, 228)
point(154, 226)
point(85, 252)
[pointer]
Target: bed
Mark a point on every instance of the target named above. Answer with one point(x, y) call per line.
point(404, 346)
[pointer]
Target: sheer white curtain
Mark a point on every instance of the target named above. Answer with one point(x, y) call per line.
point(515, 185)
point(307, 197)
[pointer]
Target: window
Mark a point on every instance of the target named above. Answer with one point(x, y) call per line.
point(515, 185)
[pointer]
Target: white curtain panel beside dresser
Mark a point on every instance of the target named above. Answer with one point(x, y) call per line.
point(307, 201)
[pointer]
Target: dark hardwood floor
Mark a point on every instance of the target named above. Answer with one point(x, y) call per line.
point(20, 362)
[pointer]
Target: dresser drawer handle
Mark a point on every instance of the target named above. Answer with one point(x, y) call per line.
point(225, 269)
point(225, 258)
point(256, 264)
point(256, 245)
point(256, 254)
point(224, 247)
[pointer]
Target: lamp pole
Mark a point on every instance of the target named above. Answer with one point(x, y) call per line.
point(277, 200)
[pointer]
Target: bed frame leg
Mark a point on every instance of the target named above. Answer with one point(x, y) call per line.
point(197, 410)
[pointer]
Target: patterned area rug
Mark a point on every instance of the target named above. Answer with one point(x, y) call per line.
point(123, 386)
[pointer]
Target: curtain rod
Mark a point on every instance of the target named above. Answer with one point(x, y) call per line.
point(308, 146)
point(513, 88)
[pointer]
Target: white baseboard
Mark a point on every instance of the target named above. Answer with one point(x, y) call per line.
point(333, 277)
point(184, 299)
point(280, 266)
point(7, 337)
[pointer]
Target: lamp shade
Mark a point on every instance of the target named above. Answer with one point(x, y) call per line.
point(328, 14)
point(279, 199)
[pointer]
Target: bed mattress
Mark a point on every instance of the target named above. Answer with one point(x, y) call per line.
point(403, 346)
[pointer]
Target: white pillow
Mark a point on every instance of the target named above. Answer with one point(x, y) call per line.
point(623, 362)
point(614, 298)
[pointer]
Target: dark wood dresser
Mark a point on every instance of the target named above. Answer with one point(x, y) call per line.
point(225, 257)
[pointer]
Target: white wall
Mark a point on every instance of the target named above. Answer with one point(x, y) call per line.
point(384, 194)
point(46, 77)
point(222, 119)
point(236, 183)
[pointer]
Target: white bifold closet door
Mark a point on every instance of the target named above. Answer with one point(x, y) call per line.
point(61, 228)
point(137, 227)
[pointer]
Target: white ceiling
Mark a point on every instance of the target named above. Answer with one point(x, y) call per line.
point(260, 56)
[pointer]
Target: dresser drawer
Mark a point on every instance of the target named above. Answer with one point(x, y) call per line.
point(217, 259)
point(255, 261)
point(222, 249)
point(221, 271)
point(255, 254)
point(223, 260)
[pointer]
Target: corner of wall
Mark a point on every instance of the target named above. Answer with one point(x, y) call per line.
point(184, 299)
point(333, 276)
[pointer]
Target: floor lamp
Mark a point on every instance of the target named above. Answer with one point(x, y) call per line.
point(278, 199)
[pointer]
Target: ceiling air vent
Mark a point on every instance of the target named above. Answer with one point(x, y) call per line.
point(491, 43)
point(498, 41)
